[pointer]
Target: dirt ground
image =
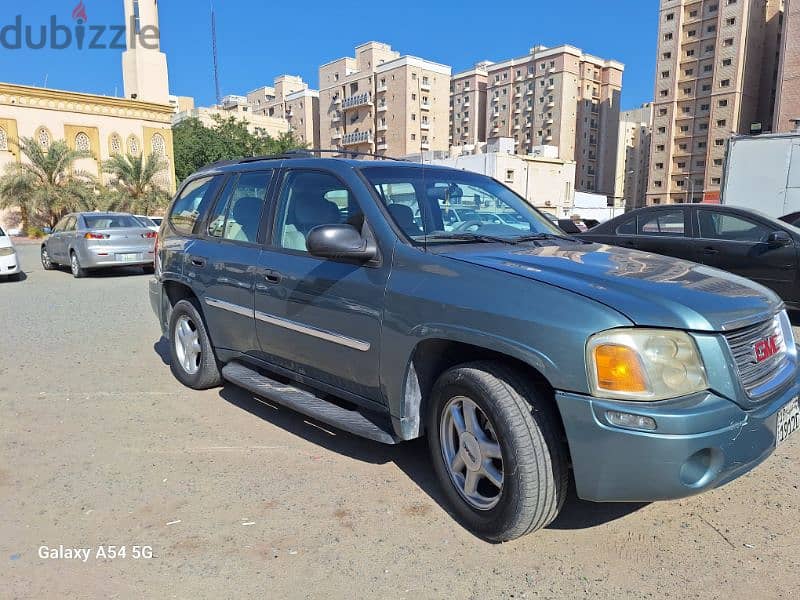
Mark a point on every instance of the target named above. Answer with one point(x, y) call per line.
point(100, 447)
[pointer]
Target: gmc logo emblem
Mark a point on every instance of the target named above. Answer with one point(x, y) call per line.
point(765, 348)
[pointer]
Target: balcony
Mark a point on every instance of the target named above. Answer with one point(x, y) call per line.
point(382, 87)
point(465, 119)
point(383, 127)
point(336, 135)
point(550, 105)
point(364, 99)
point(517, 127)
point(425, 126)
point(382, 146)
point(551, 71)
point(336, 118)
point(425, 105)
point(425, 87)
point(529, 92)
point(425, 145)
point(382, 107)
point(337, 100)
point(517, 111)
point(495, 114)
point(548, 122)
point(357, 137)
point(548, 138)
point(550, 88)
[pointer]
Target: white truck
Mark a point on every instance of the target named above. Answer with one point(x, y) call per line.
point(763, 173)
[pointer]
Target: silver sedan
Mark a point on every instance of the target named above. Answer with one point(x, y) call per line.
point(85, 241)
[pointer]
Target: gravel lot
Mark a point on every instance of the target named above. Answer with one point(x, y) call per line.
point(99, 446)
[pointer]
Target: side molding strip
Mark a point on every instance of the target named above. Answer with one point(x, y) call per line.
point(230, 307)
point(328, 336)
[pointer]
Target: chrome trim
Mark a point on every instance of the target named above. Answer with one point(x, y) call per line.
point(328, 336)
point(230, 307)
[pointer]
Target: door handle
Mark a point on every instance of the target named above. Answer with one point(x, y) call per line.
point(273, 276)
point(198, 262)
point(710, 251)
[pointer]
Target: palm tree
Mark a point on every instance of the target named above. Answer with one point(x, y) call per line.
point(135, 183)
point(47, 185)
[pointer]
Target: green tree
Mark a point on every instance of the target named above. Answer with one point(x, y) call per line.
point(135, 185)
point(46, 186)
point(229, 138)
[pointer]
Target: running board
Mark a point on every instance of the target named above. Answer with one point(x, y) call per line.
point(307, 403)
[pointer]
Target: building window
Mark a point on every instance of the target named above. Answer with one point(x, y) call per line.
point(728, 42)
point(688, 72)
point(705, 107)
point(664, 74)
point(692, 14)
point(159, 145)
point(660, 148)
point(667, 37)
point(707, 68)
point(707, 87)
point(723, 103)
point(711, 29)
point(82, 143)
point(663, 93)
point(715, 181)
point(727, 62)
point(666, 55)
point(133, 146)
point(662, 112)
point(730, 21)
point(43, 137)
point(719, 142)
point(725, 83)
point(3, 140)
point(115, 144)
point(722, 123)
point(670, 16)
point(690, 52)
point(691, 33)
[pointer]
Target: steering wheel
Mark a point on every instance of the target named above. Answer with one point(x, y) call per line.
point(466, 225)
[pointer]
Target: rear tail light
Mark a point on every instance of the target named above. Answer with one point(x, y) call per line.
point(155, 253)
point(96, 236)
point(150, 235)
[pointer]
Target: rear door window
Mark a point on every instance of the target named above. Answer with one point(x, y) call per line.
point(663, 223)
point(627, 228)
point(194, 200)
point(237, 214)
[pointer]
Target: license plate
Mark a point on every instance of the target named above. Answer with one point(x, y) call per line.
point(128, 257)
point(788, 420)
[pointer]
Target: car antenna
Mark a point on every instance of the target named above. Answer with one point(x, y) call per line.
point(426, 219)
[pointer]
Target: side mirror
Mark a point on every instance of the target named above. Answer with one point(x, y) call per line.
point(779, 238)
point(339, 241)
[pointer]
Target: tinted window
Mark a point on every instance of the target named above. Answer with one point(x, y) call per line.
point(627, 228)
point(237, 214)
point(60, 225)
point(663, 222)
point(309, 199)
point(71, 224)
point(719, 226)
point(192, 202)
point(110, 221)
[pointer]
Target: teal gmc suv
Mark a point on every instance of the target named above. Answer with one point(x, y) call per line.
point(338, 288)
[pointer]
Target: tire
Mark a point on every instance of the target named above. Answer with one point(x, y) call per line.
point(517, 422)
point(78, 272)
point(199, 371)
point(47, 262)
point(15, 277)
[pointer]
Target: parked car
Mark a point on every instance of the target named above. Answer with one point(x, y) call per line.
point(735, 239)
point(572, 226)
point(88, 241)
point(504, 218)
point(156, 220)
point(526, 357)
point(9, 261)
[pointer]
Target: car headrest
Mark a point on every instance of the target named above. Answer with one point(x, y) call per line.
point(401, 213)
point(316, 211)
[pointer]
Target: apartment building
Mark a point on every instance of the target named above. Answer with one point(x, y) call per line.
point(382, 102)
point(633, 157)
point(787, 104)
point(237, 107)
point(468, 106)
point(291, 99)
point(560, 97)
point(711, 57)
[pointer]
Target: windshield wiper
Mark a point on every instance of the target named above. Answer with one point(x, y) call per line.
point(538, 237)
point(469, 237)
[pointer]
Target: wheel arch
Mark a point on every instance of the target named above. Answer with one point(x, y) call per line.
point(433, 356)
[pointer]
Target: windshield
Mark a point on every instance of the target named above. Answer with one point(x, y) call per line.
point(147, 222)
point(110, 221)
point(2, 233)
point(432, 204)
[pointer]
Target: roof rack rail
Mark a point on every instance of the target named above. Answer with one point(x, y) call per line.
point(314, 152)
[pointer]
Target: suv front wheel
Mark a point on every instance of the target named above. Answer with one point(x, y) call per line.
point(191, 354)
point(497, 450)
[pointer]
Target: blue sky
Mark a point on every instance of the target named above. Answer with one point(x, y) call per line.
point(259, 40)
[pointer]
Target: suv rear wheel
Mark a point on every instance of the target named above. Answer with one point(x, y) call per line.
point(497, 450)
point(192, 356)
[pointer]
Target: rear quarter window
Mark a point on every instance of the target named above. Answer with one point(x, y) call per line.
point(192, 203)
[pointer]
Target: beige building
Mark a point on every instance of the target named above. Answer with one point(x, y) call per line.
point(546, 183)
point(787, 105)
point(102, 125)
point(711, 58)
point(468, 106)
point(381, 102)
point(235, 106)
point(633, 156)
point(560, 97)
point(291, 99)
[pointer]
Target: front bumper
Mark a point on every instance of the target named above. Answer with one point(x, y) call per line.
point(701, 442)
point(156, 302)
point(9, 265)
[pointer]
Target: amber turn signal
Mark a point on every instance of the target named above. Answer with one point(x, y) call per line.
point(619, 369)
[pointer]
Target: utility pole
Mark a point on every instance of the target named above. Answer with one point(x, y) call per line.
point(214, 49)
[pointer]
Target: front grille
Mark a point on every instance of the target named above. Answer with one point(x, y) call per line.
point(754, 374)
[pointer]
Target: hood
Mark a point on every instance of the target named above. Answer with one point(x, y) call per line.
point(649, 289)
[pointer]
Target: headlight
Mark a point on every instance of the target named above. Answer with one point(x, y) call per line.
point(644, 364)
point(7, 251)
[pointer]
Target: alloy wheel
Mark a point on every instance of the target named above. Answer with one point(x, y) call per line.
point(471, 453)
point(46, 262)
point(187, 344)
